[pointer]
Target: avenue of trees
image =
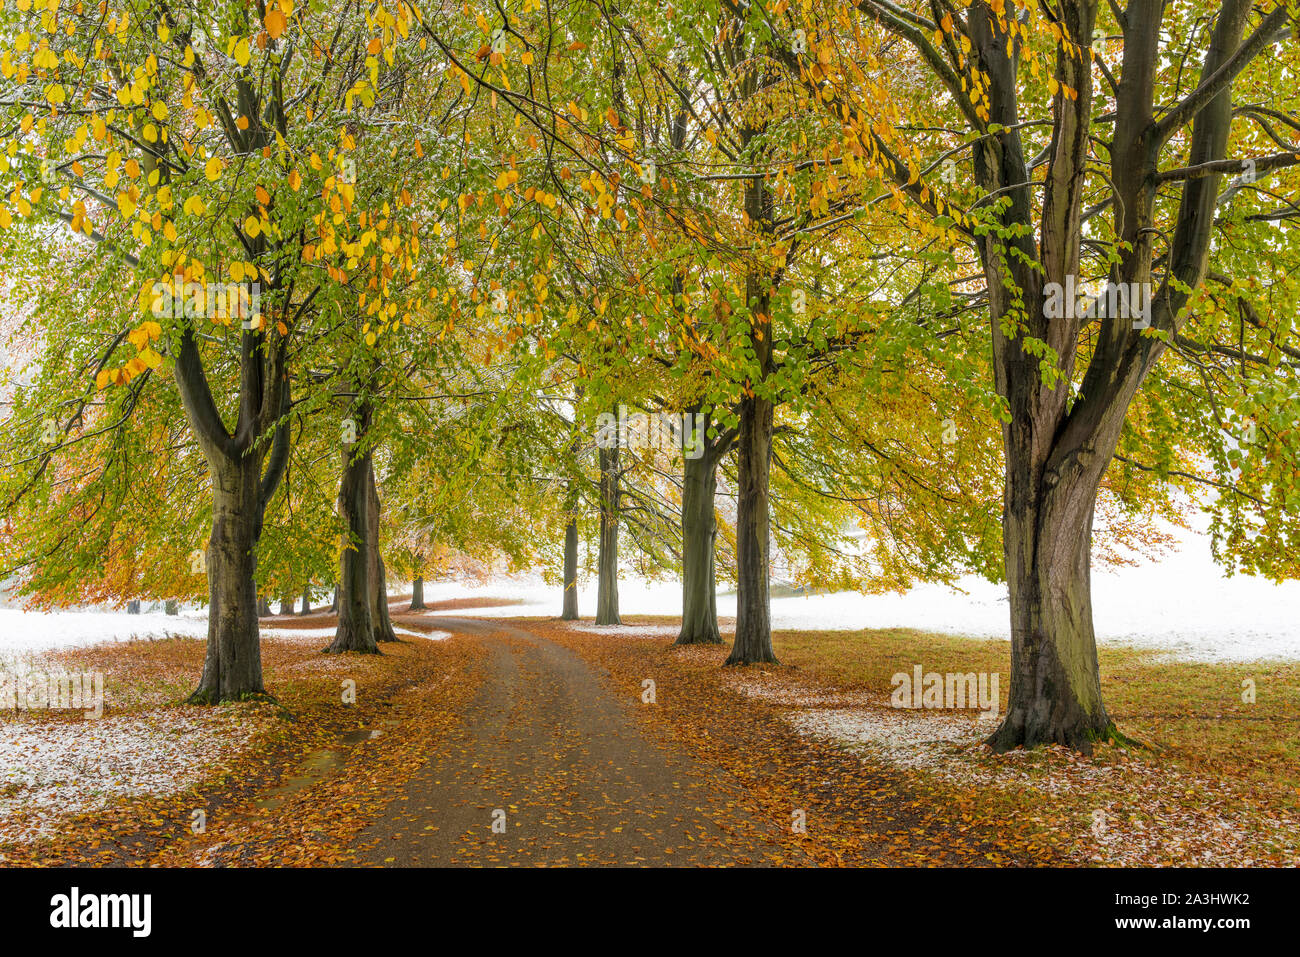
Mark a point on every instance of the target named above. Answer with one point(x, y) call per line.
point(307, 297)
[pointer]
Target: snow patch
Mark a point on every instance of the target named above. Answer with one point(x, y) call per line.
point(53, 770)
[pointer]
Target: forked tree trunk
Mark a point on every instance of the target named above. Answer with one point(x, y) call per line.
point(570, 609)
point(753, 643)
point(607, 560)
point(355, 630)
point(233, 667)
point(699, 536)
point(417, 594)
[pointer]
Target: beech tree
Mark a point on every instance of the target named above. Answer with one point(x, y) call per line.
point(1080, 150)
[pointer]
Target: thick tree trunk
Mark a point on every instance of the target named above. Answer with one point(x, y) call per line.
point(699, 534)
point(417, 594)
point(1055, 692)
point(133, 606)
point(264, 607)
point(607, 560)
point(233, 667)
point(286, 606)
point(570, 609)
point(172, 607)
point(753, 642)
point(306, 600)
point(355, 630)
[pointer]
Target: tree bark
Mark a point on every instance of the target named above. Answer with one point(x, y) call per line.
point(232, 669)
point(286, 606)
point(607, 560)
point(753, 642)
point(306, 600)
point(355, 630)
point(379, 616)
point(699, 536)
point(133, 606)
point(172, 607)
point(569, 611)
point(417, 594)
point(263, 607)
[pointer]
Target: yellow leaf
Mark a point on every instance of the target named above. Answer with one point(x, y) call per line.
point(275, 23)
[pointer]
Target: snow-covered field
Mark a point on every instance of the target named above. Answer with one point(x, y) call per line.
point(1182, 604)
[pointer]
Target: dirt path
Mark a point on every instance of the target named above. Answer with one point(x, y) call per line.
point(558, 762)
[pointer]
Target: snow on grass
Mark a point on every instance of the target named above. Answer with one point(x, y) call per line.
point(30, 631)
point(626, 631)
point(57, 769)
point(1136, 813)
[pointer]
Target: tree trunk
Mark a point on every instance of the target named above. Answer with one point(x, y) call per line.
point(753, 642)
point(355, 630)
point(133, 606)
point(699, 534)
point(570, 609)
point(264, 607)
point(417, 594)
point(172, 607)
point(1055, 693)
point(379, 616)
point(607, 561)
point(383, 625)
point(233, 666)
point(306, 600)
point(286, 606)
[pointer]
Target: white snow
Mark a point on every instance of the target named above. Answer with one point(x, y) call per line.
point(52, 770)
point(26, 631)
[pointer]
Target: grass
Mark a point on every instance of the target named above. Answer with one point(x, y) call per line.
point(1192, 713)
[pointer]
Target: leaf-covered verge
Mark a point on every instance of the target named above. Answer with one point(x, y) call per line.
point(1216, 782)
point(253, 765)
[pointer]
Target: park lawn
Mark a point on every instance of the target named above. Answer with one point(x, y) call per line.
point(1188, 712)
point(1216, 782)
point(123, 789)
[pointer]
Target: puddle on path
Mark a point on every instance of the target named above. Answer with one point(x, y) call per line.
point(317, 766)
